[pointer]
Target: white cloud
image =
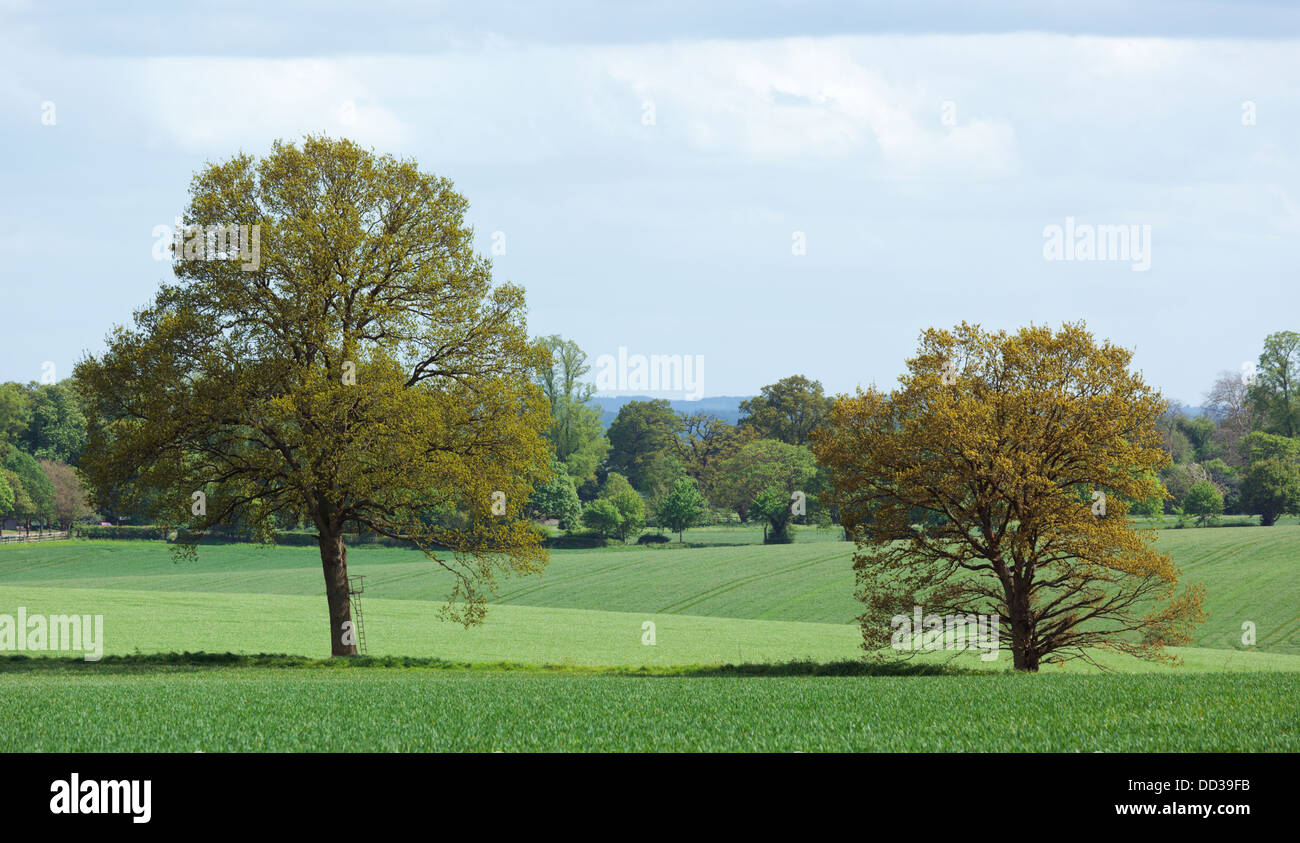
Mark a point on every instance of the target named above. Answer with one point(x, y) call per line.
point(803, 100)
point(218, 104)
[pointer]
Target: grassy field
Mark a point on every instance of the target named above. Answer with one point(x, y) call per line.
point(421, 710)
point(708, 604)
point(736, 602)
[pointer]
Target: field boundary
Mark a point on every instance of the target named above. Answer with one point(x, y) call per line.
point(11, 664)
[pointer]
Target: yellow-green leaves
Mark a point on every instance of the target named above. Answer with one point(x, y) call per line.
point(368, 374)
point(972, 488)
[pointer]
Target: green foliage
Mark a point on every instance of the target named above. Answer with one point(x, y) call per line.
point(641, 439)
point(20, 503)
point(1178, 480)
point(773, 504)
point(628, 502)
point(35, 499)
point(1228, 480)
point(1270, 485)
point(1268, 446)
point(57, 427)
point(763, 464)
point(682, 507)
point(1204, 501)
point(704, 443)
point(1199, 432)
point(788, 410)
point(128, 532)
point(15, 412)
point(602, 516)
point(1271, 488)
point(1275, 393)
point(576, 432)
point(6, 496)
point(557, 499)
point(363, 370)
point(1152, 506)
point(653, 538)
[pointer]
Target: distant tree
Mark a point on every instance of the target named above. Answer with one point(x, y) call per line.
point(1178, 480)
point(1012, 438)
point(641, 441)
point(1229, 403)
point(1275, 392)
point(15, 412)
point(628, 502)
point(1268, 446)
point(582, 440)
point(69, 495)
point(57, 427)
point(37, 492)
point(1228, 480)
point(773, 504)
point(1176, 443)
point(705, 441)
point(557, 499)
point(788, 410)
point(602, 516)
point(576, 431)
point(1270, 489)
point(682, 507)
point(1270, 486)
point(1199, 431)
point(1204, 501)
point(762, 464)
point(1148, 507)
point(6, 497)
point(562, 378)
point(19, 503)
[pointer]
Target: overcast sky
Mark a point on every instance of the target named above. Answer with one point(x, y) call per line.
point(653, 172)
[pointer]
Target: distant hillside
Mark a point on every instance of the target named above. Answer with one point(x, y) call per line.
point(725, 407)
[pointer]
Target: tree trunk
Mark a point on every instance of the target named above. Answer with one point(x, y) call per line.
point(1023, 655)
point(1025, 659)
point(334, 561)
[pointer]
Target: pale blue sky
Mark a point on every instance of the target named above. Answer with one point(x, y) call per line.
point(674, 236)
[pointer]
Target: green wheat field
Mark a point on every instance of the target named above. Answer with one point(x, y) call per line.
point(561, 662)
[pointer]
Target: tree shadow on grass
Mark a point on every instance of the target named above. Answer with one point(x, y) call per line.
point(188, 662)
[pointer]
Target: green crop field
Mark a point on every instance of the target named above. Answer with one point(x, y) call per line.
point(732, 602)
point(429, 710)
point(709, 604)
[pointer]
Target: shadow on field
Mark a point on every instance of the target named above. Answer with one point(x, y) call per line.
point(179, 662)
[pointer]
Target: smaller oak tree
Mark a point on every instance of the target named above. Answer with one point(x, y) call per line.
point(1024, 448)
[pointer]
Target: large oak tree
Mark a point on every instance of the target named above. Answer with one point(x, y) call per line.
point(364, 372)
point(1001, 445)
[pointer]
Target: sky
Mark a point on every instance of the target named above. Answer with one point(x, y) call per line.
point(767, 188)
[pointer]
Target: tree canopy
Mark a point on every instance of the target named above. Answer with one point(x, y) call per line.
point(364, 372)
point(641, 440)
point(788, 410)
point(1012, 439)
